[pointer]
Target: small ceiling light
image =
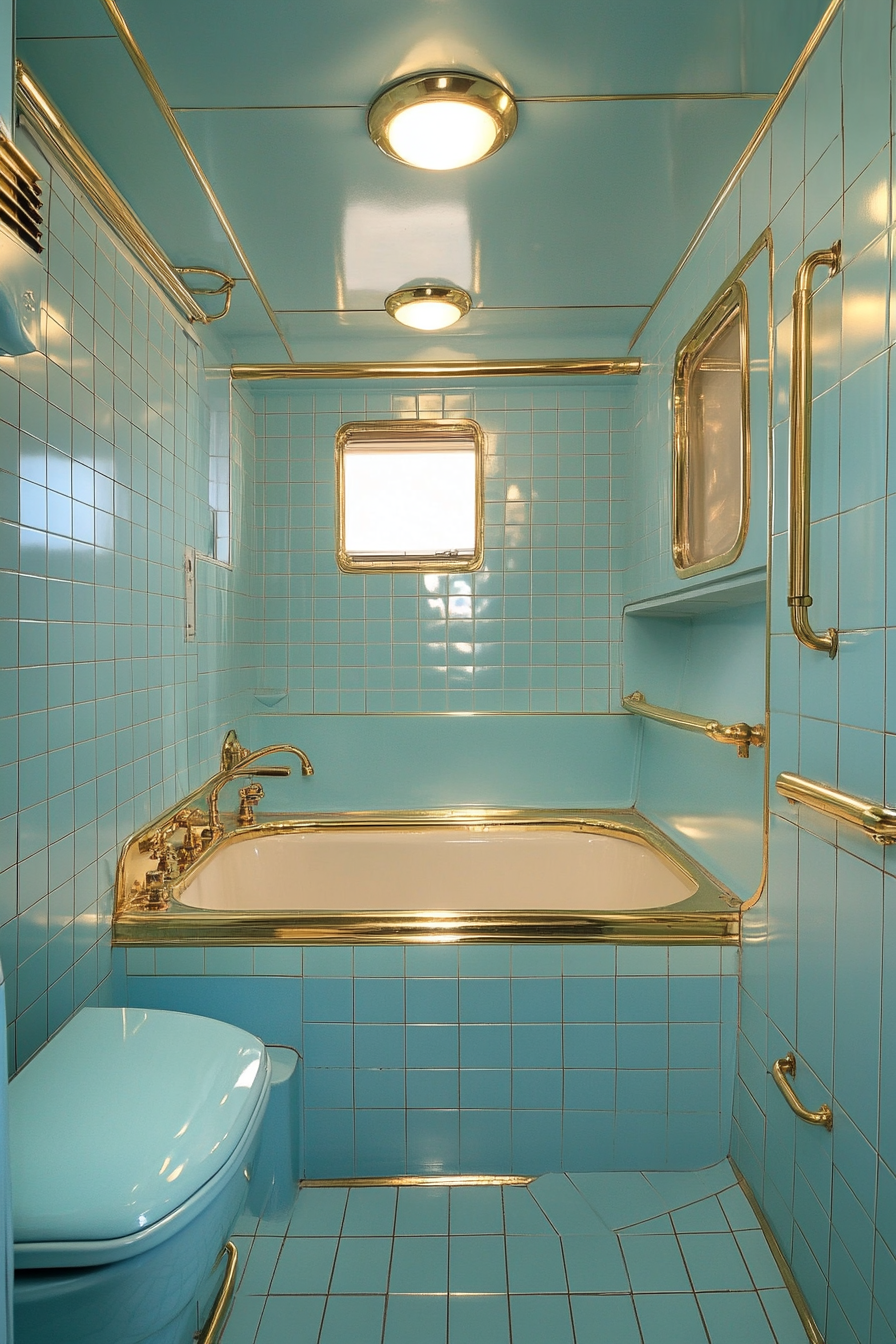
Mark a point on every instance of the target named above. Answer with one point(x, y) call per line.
point(428, 307)
point(442, 120)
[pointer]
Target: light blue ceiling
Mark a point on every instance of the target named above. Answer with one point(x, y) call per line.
point(563, 238)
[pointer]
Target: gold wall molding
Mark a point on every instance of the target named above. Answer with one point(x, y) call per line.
point(441, 368)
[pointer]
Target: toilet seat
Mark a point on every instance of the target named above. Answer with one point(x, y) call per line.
point(124, 1128)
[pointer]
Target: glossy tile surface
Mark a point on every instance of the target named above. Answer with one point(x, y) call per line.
point(559, 1259)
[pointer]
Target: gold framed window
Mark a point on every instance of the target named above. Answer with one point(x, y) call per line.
point(711, 437)
point(409, 496)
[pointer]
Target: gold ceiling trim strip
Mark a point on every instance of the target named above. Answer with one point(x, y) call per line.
point(535, 98)
point(441, 368)
point(43, 118)
point(734, 176)
point(143, 69)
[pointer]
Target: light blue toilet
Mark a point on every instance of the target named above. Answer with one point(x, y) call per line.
point(132, 1135)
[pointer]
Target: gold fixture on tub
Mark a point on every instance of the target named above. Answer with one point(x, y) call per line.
point(798, 598)
point(215, 829)
point(782, 1071)
point(153, 914)
point(741, 735)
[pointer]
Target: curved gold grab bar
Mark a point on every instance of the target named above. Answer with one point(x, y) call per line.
point(212, 1328)
point(798, 598)
point(741, 735)
point(225, 288)
point(780, 1069)
point(876, 819)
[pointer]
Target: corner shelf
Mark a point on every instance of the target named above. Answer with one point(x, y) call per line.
point(702, 599)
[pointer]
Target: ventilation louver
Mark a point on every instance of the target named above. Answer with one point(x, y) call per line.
point(20, 198)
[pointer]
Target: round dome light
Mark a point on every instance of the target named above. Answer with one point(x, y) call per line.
point(428, 307)
point(442, 120)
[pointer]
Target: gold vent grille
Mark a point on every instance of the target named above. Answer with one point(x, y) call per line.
point(20, 198)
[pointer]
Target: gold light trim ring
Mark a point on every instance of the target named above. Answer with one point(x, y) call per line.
point(798, 596)
point(444, 86)
point(457, 298)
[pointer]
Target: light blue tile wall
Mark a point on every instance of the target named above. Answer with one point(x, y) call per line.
point(109, 714)
point(481, 1059)
point(819, 956)
point(529, 632)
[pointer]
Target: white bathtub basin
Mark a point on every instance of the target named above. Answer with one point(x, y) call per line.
point(447, 869)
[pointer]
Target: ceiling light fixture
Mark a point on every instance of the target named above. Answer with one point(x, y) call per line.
point(428, 307)
point(442, 120)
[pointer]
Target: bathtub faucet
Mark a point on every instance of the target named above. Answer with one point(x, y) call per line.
point(215, 830)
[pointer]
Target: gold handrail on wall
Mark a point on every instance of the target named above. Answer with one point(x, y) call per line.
point(876, 819)
point(741, 735)
point(798, 598)
point(782, 1071)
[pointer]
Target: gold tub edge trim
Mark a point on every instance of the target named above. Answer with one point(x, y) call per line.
point(710, 915)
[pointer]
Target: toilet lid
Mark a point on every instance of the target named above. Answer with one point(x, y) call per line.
point(123, 1116)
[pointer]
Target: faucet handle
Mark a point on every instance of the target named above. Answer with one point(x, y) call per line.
point(250, 796)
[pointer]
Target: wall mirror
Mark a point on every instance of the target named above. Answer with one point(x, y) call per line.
point(711, 437)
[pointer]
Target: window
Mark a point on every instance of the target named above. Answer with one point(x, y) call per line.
point(409, 496)
point(711, 452)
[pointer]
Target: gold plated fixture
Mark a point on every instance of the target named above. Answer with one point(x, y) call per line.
point(711, 437)
point(211, 1331)
point(250, 797)
point(711, 915)
point(803, 1310)
point(215, 829)
point(736, 173)
point(428, 307)
point(144, 70)
point(21, 208)
point(365, 1182)
point(798, 598)
point(441, 368)
point(782, 1071)
point(442, 120)
point(225, 289)
point(392, 437)
point(740, 735)
point(42, 118)
point(876, 819)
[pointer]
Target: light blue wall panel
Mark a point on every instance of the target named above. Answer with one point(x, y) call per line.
point(817, 972)
point(408, 761)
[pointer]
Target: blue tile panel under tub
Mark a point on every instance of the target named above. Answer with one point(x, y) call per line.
point(504, 1059)
point(819, 960)
point(109, 714)
point(621, 1257)
point(530, 631)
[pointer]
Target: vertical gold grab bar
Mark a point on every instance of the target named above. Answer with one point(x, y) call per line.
point(798, 598)
point(782, 1071)
point(210, 1332)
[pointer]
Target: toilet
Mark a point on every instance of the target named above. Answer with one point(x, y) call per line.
point(132, 1138)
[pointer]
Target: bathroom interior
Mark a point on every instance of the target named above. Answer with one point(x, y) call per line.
point(444, 730)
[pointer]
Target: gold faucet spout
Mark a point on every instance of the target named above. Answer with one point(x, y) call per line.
point(244, 767)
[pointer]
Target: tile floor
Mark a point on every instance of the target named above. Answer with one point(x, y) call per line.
point(599, 1258)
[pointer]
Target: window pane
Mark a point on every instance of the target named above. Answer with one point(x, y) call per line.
point(715, 433)
point(406, 502)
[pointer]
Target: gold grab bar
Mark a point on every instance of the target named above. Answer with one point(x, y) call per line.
point(876, 819)
point(212, 1328)
point(798, 598)
point(742, 735)
point(780, 1071)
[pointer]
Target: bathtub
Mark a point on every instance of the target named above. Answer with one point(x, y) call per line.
point(480, 875)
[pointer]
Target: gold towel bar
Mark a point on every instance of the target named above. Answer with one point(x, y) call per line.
point(798, 598)
point(741, 735)
point(876, 819)
point(780, 1071)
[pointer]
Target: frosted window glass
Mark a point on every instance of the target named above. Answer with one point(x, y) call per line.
point(409, 501)
point(715, 447)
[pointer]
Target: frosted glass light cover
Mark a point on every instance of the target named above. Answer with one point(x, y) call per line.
point(711, 496)
point(410, 501)
point(442, 135)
